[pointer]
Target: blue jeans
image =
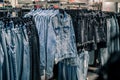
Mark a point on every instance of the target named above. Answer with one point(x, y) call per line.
point(1, 60)
point(74, 68)
point(26, 56)
point(113, 32)
point(5, 67)
point(104, 55)
point(22, 54)
point(91, 54)
point(15, 61)
point(67, 72)
point(83, 60)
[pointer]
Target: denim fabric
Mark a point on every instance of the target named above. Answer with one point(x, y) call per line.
point(15, 46)
point(104, 55)
point(113, 29)
point(67, 71)
point(112, 40)
point(51, 47)
point(1, 60)
point(100, 30)
point(5, 68)
point(26, 56)
point(34, 50)
point(1, 51)
point(92, 57)
point(112, 34)
point(66, 46)
point(41, 32)
point(74, 68)
point(53, 31)
point(83, 60)
point(10, 42)
point(116, 38)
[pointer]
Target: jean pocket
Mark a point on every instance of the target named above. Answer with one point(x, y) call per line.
point(57, 31)
point(66, 29)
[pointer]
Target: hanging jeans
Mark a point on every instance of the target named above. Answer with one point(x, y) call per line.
point(1, 60)
point(5, 66)
point(104, 55)
point(74, 69)
point(15, 64)
point(91, 59)
point(67, 71)
point(83, 60)
point(34, 51)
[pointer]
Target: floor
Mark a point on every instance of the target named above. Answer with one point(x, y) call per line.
point(91, 73)
point(91, 76)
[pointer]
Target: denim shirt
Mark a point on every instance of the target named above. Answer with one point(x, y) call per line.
point(66, 46)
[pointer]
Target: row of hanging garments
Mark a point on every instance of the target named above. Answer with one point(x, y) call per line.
point(97, 32)
point(58, 45)
point(31, 47)
point(19, 49)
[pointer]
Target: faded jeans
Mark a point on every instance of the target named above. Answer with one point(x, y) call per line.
point(74, 69)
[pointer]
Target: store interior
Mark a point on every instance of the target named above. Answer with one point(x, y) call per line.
point(59, 39)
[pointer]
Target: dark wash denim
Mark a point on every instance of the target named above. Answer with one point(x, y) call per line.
point(34, 50)
point(90, 29)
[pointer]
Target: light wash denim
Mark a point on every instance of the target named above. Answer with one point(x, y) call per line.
point(50, 47)
point(57, 38)
point(65, 37)
point(41, 32)
point(66, 46)
point(83, 60)
point(54, 33)
point(108, 34)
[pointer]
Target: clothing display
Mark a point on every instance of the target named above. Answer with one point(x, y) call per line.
point(56, 44)
point(56, 35)
point(19, 53)
point(95, 30)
